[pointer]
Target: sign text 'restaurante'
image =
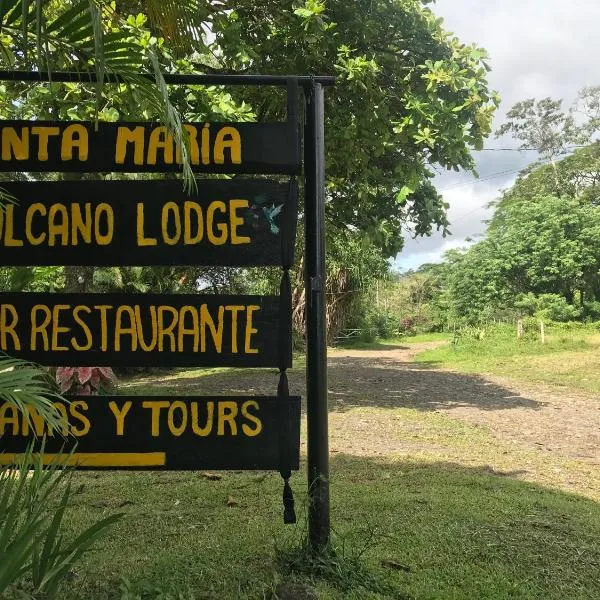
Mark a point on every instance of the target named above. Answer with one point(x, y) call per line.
point(141, 329)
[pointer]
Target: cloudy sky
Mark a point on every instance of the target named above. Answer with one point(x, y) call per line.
point(538, 48)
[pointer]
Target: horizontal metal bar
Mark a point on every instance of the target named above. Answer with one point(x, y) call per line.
point(170, 78)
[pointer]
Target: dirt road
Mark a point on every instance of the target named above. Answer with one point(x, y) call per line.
point(384, 404)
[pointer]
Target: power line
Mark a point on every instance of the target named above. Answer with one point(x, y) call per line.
point(573, 147)
point(480, 179)
point(476, 180)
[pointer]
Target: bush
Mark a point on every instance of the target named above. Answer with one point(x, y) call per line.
point(33, 497)
point(547, 307)
point(377, 324)
point(555, 308)
point(591, 311)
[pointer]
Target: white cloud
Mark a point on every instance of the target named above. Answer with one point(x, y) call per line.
point(538, 48)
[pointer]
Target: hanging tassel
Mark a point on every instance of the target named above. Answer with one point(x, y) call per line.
point(289, 514)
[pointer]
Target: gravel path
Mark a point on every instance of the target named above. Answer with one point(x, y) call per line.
point(548, 434)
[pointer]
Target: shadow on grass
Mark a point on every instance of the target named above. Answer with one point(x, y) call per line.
point(355, 382)
point(402, 529)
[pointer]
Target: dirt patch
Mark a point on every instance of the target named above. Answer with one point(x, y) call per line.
point(366, 387)
point(560, 421)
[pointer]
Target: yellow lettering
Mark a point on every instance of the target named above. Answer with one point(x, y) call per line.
point(44, 134)
point(168, 330)
point(37, 328)
point(250, 331)
point(14, 146)
point(193, 144)
point(120, 414)
point(228, 411)
point(12, 419)
point(142, 240)
point(177, 430)
point(154, 325)
point(36, 420)
point(161, 139)
point(78, 226)
point(120, 328)
point(188, 238)
point(74, 136)
point(128, 136)
point(60, 407)
point(221, 227)
point(155, 406)
point(206, 144)
point(103, 308)
point(7, 328)
point(193, 330)
point(9, 239)
point(216, 331)
point(210, 411)
point(85, 428)
point(235, 221)
point(60, 228)
point(86, 329)
point(103, 239)
point(247, 429)
point(56, 329)
point(234, 326)
point(37, 207)
point(228, 137)
point(171, 208)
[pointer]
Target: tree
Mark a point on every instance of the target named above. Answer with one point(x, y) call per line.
point(408, 96)
point(542, 125)
point(535, 246)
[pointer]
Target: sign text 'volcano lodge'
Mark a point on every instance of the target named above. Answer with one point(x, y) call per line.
point(240, 222)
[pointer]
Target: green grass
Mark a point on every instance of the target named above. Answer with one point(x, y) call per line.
point(454, 521)
point(568, 358)
point(382, 344)
point(403, 529)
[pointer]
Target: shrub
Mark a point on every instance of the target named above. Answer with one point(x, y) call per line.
point(547, 307)
point(591, 310)
point(378, 324)
point(555, 308)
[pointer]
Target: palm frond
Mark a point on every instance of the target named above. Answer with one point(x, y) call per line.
point(180, 21)
point(30, 389)
point(77, 38)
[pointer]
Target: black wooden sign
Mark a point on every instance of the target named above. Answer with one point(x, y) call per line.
point(160, 432)
point(239, 222)
point(148, 147)
point(144, 329)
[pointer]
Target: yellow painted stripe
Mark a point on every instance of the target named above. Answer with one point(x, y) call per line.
point(97, 459)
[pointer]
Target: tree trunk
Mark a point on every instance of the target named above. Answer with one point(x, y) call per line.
point(79, 279)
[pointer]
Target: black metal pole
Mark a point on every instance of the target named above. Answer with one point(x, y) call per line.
point(316, 326)
point(170, 78)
